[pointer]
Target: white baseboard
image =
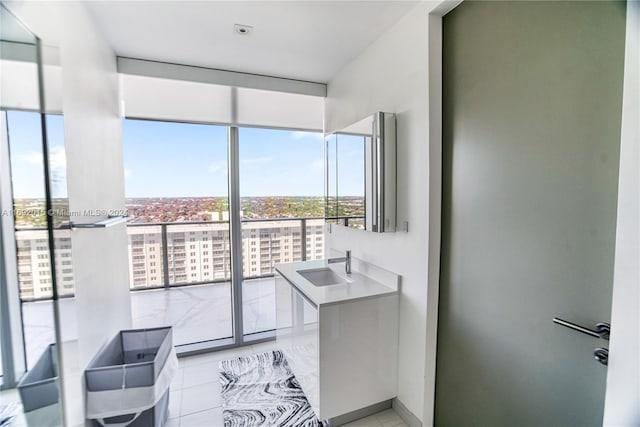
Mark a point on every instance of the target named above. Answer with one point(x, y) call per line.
point(407, 416)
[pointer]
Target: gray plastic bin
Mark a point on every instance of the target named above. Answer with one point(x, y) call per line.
point(133, 358)
point(39, 387)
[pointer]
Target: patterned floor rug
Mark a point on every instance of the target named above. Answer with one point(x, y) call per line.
point(261, 390)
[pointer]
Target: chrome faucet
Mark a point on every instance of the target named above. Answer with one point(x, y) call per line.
point(346, 259)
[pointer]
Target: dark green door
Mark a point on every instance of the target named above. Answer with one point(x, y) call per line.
point(532, 102)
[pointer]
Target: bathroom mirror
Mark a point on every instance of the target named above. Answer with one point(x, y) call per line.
point(360, 174)
point(29, 376)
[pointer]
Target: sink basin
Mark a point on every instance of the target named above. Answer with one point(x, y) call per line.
point(322, 277)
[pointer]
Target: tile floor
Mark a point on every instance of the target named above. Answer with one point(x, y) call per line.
point(197, 313)
point(195, 393)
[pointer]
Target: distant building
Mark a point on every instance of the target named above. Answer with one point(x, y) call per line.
point(195, 253)
point(266, 243)
point(201, 253)
point(34, 264)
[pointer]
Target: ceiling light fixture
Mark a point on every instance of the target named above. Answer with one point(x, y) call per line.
point(243, 30)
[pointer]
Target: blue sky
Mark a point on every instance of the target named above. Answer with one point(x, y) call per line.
point(25, 144)
point(177, 159)
point(164, 159)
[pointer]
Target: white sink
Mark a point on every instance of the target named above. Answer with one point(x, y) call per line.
point(322, 277)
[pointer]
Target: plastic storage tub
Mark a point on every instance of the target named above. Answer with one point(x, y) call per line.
point(39, 387)
point(127, 382)
point(38, 390)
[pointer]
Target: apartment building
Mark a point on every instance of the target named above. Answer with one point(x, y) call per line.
point(34, 264)
point(196, 253)
point(201, 252)
point(265, 244)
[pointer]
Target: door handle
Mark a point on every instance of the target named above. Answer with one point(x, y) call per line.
point(601, 355)
point(602, 329)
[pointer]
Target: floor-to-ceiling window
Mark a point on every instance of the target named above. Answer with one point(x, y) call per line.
point(218, 213)
point(176, 185)
point(282, 209)
point(180, 245)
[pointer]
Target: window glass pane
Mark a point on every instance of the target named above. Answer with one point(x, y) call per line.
point(179, 251)
point(281, 173)
point(281, 193)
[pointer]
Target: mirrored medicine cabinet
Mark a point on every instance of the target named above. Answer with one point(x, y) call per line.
point(360, 174)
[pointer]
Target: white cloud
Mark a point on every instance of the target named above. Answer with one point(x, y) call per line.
point(58, 171)
point(58, 158)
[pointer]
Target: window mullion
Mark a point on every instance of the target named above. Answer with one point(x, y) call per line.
point(235, 229)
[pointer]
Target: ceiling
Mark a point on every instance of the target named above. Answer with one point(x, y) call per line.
point(304, 40)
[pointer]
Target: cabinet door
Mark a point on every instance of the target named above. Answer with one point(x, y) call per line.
point(284, 317)
point(297, 335)
point(306, 350)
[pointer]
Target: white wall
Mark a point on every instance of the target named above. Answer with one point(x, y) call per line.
point(392, 75)
point(95, 173)
point(622, 401)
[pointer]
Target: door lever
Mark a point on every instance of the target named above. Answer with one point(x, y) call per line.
point(602, 328)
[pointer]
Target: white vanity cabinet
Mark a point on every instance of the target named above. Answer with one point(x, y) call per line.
point(342, 351)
